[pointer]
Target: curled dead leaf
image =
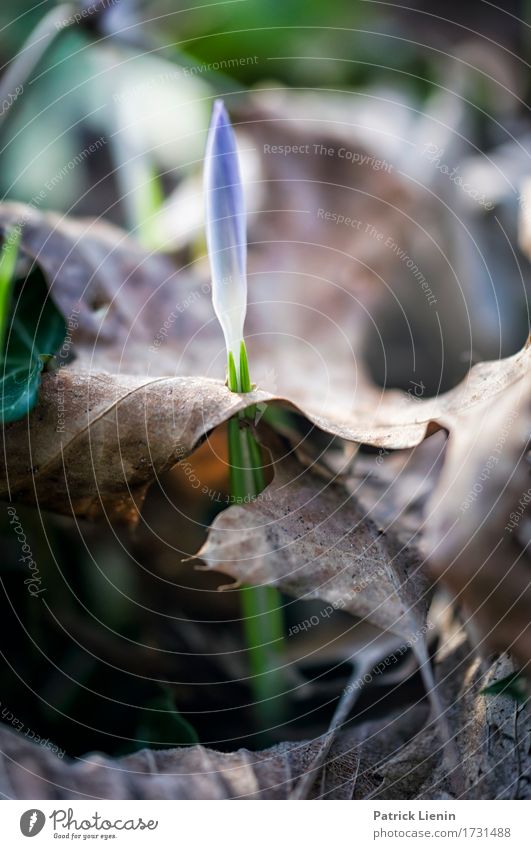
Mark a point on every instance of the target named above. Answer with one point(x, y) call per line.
point(471, 538)
point(311, 539)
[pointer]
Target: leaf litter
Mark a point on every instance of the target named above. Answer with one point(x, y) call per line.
point(138, 402)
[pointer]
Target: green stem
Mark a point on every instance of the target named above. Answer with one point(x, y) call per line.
point(261, 606)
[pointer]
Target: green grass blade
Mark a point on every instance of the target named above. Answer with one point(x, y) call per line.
point(232, 378)
point(245, 380)
point(8, 261)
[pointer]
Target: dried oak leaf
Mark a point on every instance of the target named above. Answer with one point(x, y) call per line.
point(310, 538)
point(302, 536)
point(29, 771)
point(113, 294)
point(492, 735)
point(117, 433)
point(471, 537)
point(145, 425)
point(495, 736)
point(134, 324)
point(134, 394)
point(384, 758)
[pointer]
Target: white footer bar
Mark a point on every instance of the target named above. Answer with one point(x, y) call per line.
point(267, 825)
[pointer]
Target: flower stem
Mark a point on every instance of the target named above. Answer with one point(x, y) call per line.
point(261, 606)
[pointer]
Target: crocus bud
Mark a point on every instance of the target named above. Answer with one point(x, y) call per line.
point(226, 239)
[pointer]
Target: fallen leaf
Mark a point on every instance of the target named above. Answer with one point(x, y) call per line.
point(386, 758)
point(491, 733)
point(97, 439)
point(113, 294)
point(29, 771)
point(311, 539)
point(143, 425)
point(470, 536)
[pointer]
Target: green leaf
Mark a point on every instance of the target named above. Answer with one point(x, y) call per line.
point(244, 383)
point(34, 331)
point(245, 379)
point(232, 379)
point(8, 261)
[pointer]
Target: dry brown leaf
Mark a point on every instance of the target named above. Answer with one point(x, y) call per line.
point(143, 423)
point(96, 440)
point(470, 535)
point(116, 435)
point(312, 539)
point(114, 295)
point(492, 735)
point(138, 315)
point(395, 486)
point(28, 771)
point(382, 758)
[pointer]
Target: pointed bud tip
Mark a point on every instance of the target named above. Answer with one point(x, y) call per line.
point(219, 116)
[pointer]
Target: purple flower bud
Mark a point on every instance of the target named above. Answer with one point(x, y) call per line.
point(225, 229)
